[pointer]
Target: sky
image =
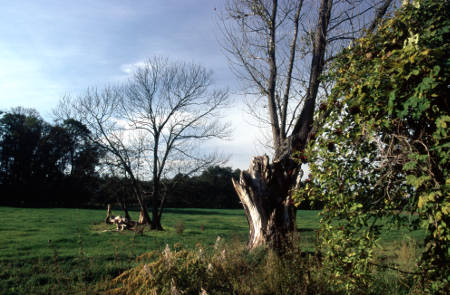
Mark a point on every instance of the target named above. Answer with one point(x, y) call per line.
point(51, 48)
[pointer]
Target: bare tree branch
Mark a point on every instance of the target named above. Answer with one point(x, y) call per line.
point(150, 124)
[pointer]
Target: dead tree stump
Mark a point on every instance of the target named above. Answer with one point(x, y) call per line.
point(264, 191)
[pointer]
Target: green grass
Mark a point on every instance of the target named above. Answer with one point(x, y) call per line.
point(61, 251)
point(25, 233)
point(43, 248)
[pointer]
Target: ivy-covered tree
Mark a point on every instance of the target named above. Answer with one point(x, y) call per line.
point(383, 148)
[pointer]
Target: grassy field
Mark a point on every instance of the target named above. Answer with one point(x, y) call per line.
point(44, 251)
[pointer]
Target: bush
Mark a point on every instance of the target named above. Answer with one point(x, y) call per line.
point(383, 147)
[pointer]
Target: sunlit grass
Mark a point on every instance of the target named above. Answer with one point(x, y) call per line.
point(41, 249)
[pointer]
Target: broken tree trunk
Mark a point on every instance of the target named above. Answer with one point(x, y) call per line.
point(109, 217)
point(141, 219)
point(123, 204)
point(264, 191)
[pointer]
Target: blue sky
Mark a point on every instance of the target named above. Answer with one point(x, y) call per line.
point(51, 48)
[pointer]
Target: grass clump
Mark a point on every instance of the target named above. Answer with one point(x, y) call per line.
point(225, 268)
point(229, 268)
point(179, 227)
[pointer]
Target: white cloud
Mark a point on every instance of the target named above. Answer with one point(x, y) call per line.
point(244, 142)
point(50, 48)
point(129, 69)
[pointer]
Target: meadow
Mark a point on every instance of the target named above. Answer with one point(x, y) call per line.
point(63, 251)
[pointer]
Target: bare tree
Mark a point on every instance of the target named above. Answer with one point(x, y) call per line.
point(173, 105)
point(281, 49)
point(154, 124)
point(99, 111)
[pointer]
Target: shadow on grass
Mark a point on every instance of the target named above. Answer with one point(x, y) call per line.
point(232, 212)
point(302, 230)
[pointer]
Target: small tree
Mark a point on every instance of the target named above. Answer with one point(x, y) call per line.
point(99, 111)
point(383, 149)
point(174, 108)
point(154, 125)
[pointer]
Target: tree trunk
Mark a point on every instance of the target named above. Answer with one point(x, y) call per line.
point(156, 217)
point(109, 216)
point(264, 190)
point(156, 222)
point(144, 218)
point(141, 217)
point(144, 212)
point(123, 204)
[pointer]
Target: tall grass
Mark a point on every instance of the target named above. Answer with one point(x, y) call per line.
point(228, 268)
point(225, 268)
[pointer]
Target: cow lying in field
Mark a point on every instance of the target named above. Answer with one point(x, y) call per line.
point(123, 223)
point(120, 222)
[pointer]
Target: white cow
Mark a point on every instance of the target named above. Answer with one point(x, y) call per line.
point(120, 222)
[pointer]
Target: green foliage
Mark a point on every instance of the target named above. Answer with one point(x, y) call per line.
point(39, 160)
point(383, 149)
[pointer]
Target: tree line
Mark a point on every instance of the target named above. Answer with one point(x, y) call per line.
point(43, 164)
point(59, 165)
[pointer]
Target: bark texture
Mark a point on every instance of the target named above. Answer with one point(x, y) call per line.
point(109, 217)
point(264, 191)
point(123, 204)
point(270, 66)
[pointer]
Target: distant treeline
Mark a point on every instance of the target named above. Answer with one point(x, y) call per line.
point(57, 165)
point(43, 164)
point(211, 189)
